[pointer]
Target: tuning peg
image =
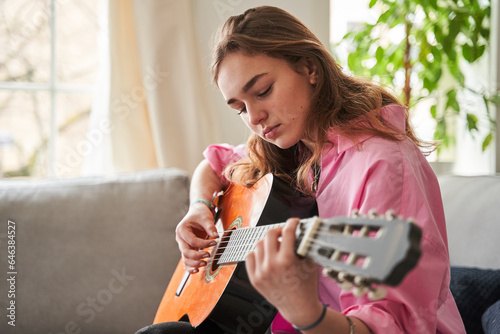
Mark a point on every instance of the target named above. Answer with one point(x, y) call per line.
point(330, 272)
point(390, 215)
point(344, 281)
point(372, 214)
point(360, 288)
point(345, 285)
point(360, 281)
point(341, 276)
point(359, 291)
point(355, 213)
point(364, 231)
point(378, 293)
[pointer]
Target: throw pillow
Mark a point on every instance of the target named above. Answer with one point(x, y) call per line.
point(491, 319)
point(474, 290)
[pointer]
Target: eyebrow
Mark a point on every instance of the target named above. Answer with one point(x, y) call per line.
point(248, 85)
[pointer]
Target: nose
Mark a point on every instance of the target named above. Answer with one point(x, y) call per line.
point(256, 115)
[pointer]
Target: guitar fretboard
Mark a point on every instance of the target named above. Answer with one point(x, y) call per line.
point(236, 244)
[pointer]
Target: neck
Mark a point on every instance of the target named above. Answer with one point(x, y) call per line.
point(310, 141)
point(310, 144)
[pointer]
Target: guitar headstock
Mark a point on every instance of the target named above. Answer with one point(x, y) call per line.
point(360, 252)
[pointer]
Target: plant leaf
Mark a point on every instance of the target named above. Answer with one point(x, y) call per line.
point(472, 122)
point(452, 100)
point(495, 99)
point(480, 51)
point(379, 54)
point(467, 52)
point(440, 132)
point(455, 70)
point(487, 141)
point(433, 111)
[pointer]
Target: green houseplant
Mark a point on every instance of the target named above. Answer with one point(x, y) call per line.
point(435, 36)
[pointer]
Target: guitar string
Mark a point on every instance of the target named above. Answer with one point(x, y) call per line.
point(253, 242)
point(228, 240)
point(265, 227)
point(314, 247)
point(232, 245)
point(235, 250)
point(270, 227)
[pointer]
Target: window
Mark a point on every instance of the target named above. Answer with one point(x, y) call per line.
point(48, 68)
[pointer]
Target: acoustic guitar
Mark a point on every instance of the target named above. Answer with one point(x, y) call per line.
point(362, 253)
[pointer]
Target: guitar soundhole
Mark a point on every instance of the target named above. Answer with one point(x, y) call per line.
point(214, 268)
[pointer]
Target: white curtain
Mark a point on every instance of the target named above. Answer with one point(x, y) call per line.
point(182, 117)
point(156, 112)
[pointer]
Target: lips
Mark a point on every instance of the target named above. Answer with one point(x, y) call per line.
point(270, 132)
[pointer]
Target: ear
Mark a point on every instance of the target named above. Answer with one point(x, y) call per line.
point(311, 71)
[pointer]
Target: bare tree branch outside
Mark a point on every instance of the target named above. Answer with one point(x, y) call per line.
point(45, 45)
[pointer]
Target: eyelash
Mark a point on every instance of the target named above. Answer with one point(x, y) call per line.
point(263, 94)
point(266, 92)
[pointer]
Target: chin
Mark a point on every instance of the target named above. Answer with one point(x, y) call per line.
point(282, 145)
point(280, 142)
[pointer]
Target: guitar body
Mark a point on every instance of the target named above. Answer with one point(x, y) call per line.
point(221, 298)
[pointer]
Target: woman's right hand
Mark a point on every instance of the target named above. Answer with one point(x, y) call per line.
point(191, 236)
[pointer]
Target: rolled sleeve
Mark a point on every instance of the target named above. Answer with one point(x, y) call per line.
point(222, 155)
point(376, 317)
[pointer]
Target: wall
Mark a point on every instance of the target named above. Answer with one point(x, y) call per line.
point(209, 15)
point(495, 69)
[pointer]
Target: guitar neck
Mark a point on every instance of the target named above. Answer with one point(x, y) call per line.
point(382, 249)
point(235, 244)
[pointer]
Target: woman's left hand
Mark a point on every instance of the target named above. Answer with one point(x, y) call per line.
point(285, 280)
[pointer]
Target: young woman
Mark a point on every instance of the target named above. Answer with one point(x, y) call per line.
point(345, 141)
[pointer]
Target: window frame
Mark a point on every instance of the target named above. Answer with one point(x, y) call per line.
point(53, 87)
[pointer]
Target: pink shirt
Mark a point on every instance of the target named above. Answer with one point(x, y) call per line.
point(383, 175)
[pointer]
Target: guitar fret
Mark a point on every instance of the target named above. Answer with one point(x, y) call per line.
point(242, 246)
point(229, 247)
point(233, 245)
point(240, 242)
point(239, 236)
point(237, 247)
point(250, 242)
point(230, 252)
point(225, 251)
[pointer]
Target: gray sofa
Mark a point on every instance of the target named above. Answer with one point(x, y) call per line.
point(472, 206)
point(94, 255)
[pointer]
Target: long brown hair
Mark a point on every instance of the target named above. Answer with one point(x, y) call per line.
point(348, 104)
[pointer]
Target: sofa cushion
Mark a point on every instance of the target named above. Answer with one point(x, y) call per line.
point(474, 290)
point(491, 319)
point(93, 255)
